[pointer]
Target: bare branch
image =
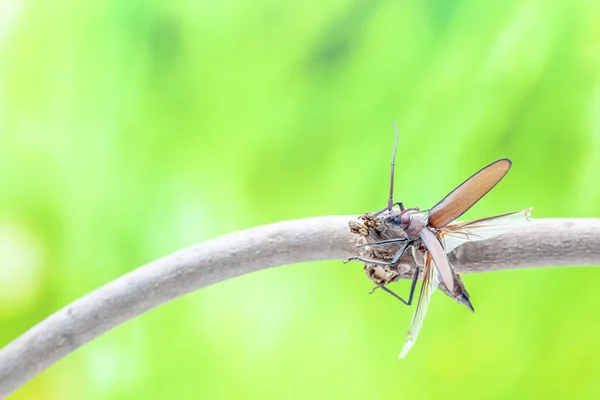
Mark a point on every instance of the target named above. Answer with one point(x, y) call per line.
point(545, 243)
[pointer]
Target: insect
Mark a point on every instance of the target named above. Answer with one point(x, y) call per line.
point(388, 233)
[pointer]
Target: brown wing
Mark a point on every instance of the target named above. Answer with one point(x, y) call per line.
point(468, 193)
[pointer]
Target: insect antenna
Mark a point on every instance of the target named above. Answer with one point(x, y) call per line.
point(390, 199)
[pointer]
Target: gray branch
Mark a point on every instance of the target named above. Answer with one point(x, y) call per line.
point(550, 242)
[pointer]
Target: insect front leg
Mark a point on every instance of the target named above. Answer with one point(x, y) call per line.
point(398, 203)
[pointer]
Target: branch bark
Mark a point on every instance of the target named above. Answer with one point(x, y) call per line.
point(549, 242)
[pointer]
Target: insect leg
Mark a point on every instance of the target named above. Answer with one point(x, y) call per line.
point(413, 285)
point(399, 254)
point(368, 260)
point(379, 262)
point(399, 204)
point(382, 242)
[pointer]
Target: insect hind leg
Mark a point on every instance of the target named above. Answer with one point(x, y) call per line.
point(411, 294)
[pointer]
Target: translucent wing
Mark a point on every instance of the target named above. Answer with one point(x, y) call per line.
point(458, 233)
point(430, 283)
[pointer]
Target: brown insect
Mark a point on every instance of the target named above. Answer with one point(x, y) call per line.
point(389, 232)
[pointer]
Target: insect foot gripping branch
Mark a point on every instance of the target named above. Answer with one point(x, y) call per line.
point(384, 236)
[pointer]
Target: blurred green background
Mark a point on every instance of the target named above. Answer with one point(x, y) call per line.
point(131, 129)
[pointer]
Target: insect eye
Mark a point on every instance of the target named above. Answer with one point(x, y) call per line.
point(396, 220)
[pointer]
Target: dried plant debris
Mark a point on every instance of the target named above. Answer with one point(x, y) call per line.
point(372, 229)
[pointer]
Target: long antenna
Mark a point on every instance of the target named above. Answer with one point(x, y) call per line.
point(390, 199)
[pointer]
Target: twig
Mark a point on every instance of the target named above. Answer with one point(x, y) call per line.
point(545, 243)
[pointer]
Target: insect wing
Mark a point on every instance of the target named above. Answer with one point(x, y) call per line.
point(430, 283)
point(456, 234)
point(435, 249)
point(468, 193)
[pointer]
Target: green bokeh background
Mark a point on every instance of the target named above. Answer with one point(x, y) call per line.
point(131, 129)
